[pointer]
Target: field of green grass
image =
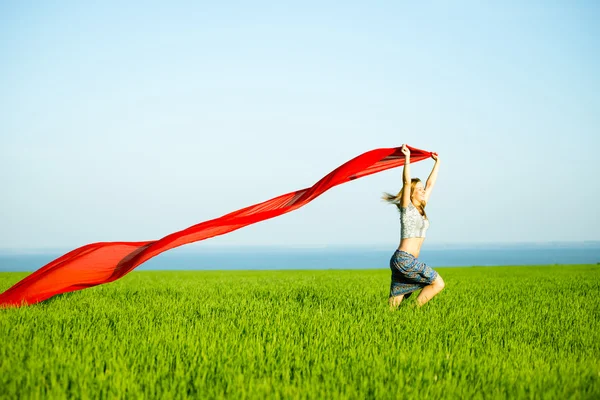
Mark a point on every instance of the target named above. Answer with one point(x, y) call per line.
point(494, 332)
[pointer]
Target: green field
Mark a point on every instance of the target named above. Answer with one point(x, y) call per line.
point(494, 332)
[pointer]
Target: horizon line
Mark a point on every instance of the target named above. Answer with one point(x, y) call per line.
point(374, 246)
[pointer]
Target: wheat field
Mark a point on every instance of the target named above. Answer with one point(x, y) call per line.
point(495, 332)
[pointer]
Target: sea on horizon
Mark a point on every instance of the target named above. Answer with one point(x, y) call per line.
point(333, 257)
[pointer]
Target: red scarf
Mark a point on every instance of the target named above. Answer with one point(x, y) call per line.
point(98, 263)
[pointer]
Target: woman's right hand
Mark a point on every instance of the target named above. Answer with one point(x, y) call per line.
point(405, 151)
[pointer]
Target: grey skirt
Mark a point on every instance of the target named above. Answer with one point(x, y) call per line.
point(409, 274)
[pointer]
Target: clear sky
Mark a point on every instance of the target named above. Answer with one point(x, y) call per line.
point(126, 121)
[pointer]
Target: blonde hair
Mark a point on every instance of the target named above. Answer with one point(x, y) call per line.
point(397, 199)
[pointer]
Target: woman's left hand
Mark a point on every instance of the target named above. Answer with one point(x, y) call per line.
point(434, 156)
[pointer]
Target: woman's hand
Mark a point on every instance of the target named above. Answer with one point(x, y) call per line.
point(434, 156)
point(405, 151)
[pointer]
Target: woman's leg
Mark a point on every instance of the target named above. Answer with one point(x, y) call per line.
point(430, 290)
point(395, 301)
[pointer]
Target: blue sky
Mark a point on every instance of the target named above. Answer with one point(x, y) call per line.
point(129, 122)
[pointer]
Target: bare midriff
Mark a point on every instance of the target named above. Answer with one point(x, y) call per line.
point(411, 245)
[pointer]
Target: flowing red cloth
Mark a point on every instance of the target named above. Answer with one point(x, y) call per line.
point(98, 263)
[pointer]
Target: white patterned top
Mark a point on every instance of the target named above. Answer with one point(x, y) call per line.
point(412, 223)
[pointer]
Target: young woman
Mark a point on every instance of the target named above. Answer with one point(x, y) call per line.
point(408, 273)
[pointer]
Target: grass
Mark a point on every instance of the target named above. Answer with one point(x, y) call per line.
point(494, 332)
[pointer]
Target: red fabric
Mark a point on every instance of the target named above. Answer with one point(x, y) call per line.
point(98, 263)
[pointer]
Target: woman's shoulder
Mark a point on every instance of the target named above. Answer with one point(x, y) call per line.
point(404, 210)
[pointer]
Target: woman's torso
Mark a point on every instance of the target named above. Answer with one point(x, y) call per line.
point(411, 245)
point(413, 228)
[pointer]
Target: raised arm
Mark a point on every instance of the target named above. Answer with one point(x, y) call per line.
point(432, 176)
point(405, 178)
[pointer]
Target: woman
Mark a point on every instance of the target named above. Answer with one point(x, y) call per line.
point(408, 273)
